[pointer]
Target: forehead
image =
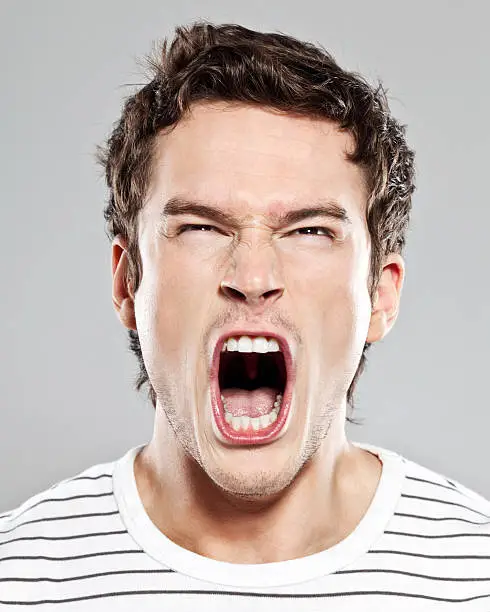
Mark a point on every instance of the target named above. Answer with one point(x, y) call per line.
point(256, 161)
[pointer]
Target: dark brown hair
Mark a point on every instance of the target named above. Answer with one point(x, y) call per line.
point(233, 63)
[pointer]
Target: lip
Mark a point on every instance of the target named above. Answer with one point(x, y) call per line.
point(271, 432)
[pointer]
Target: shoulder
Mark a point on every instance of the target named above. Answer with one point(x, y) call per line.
point(442, 496)
point(436, 541)
point(71, 529)
point(427, 493)
point(84, 495)
point(440, 521)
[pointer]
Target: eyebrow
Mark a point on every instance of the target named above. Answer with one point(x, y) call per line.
point(330, 208)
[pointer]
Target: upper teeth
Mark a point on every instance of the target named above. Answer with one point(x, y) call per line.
point(245, 344)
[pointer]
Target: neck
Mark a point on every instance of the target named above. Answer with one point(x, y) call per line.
point(306, 517)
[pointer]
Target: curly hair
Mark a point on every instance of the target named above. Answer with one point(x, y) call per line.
point(206, 62)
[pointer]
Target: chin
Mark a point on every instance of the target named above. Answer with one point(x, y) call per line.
point(257, 473)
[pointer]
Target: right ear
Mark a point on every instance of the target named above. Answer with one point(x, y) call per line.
point(121, 295)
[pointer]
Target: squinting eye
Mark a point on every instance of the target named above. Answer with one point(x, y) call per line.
point(325, 231)
point(184, 228)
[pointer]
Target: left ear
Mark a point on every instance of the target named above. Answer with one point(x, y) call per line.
point(387, 298)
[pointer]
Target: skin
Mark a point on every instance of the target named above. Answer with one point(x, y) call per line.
point(308, 489)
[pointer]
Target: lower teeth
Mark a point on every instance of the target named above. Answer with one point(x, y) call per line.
point(245, 422)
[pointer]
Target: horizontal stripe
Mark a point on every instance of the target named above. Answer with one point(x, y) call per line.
point(432, 482)
point(412, 574)
point(440, 518)
point(251, 595)
point(72, 557)
point(88, 576)
point(425, 556)
point(63, 499)
point(61, 518)
point(444, 501)
point(171, 571)
point(70, 537)
point(439, 536)
point(78, 478)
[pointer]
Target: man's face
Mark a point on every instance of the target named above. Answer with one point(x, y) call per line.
point(256, 276)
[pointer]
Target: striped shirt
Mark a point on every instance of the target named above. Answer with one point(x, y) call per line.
point(87, 544)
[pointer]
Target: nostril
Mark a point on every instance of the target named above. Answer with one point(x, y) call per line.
point(236, 294)
point(231, 292)
point(272, 293)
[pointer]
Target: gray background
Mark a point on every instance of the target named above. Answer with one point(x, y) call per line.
point(66, 374)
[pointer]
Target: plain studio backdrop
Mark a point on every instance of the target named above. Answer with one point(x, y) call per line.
point(66, 371)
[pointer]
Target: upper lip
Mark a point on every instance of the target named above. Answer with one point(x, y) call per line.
point(236, 333)
point(283, 342)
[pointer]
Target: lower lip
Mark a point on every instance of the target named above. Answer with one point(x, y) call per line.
point(248, 436)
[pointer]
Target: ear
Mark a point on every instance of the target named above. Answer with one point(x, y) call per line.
point(387, 298)
point(122, 297)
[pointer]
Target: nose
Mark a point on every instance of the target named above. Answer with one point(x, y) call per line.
point(253, 277)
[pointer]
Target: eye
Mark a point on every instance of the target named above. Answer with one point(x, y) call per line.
point(311, 231)
point(195, 226)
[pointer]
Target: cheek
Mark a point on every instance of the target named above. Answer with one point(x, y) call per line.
point(347, 325)
point(170, 304)
point(335, 307)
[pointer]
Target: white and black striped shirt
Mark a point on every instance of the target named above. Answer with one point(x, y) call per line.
point(87, 544)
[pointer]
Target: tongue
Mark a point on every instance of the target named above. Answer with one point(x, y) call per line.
point(241, 402)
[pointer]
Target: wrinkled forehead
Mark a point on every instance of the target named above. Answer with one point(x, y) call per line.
point(257, 161)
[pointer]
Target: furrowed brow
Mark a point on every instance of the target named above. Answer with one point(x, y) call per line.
point(326, 208)
point(180, 206)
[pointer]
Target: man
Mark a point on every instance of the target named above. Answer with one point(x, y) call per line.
point(259, 197)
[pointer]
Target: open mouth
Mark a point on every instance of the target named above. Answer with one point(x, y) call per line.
point(251, 388)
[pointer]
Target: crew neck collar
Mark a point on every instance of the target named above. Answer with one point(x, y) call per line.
point(282, 573)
